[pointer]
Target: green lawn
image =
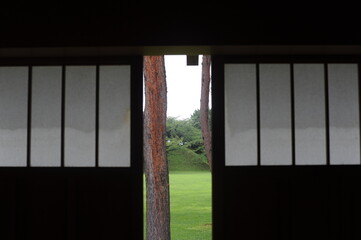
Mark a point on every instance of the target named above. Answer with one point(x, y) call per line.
point(191, 209)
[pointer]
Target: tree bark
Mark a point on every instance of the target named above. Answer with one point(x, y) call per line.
point(204, 110)
point(156, 166)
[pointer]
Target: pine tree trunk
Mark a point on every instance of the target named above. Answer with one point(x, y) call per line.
point(156, 166)
point(204, 110)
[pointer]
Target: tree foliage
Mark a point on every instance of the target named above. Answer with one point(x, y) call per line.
point(182, 133)
point(186, 135)
point(196, 118)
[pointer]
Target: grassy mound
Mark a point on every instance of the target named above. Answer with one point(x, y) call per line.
point(184, 159)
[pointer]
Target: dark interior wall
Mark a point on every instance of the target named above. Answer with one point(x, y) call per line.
point(134, 23)
point(76, 202)
point(279, 202)
point(291, 203)
point(71, 203)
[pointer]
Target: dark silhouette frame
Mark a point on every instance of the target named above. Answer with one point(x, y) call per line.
point(77, 202)
point(281, 202)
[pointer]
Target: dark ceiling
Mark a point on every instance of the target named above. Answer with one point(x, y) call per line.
point(138, 25)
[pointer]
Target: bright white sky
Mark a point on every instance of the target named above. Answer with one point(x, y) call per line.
point(184, 86)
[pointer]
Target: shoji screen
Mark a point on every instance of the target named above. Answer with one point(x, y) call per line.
point(65, 115)
point(46, 116)
point(13, 115)
point(291, 114)
point(114, 116)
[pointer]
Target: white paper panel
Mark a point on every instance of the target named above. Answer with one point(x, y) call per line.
point(80, 116)
point(13, 115)
point(114, 116)
point(275, 111)
point(344, 114)
point(309, 97)
point(46, 116)
point(240, 114)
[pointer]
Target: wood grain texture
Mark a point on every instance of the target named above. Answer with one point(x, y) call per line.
point(156, 166)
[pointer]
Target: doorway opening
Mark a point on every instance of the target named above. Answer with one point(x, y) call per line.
point(190, 180)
